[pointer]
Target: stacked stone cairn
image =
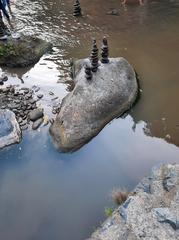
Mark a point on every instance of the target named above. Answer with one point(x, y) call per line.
point(77, 9)
point(94, 57)
point(88, 73)
point(104, 51)
point(92, 67)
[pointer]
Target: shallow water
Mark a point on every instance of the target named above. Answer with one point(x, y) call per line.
point(48, 195)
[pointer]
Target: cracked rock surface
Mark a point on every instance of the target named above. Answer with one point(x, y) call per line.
point(152, 213)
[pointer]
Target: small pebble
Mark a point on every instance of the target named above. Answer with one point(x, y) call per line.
point(36, 114)
point(40, 96)
point(51, 121)
point(1, 82)
point(24, 127)
point(55, 98)
point(4, 79)
point(37, 89)
point(51, 93)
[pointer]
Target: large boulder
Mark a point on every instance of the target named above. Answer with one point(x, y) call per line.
point(22, 52)
point(9, 128)
point(152, 212)
point(93, 103)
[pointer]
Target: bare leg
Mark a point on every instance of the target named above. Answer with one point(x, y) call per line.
point(124, 1)
point(9, 7)
point(141, 2)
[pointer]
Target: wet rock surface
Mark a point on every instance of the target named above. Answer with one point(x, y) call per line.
point(10, 132)
point(92, 104)
point(36, 114)
point(3, 79)
point(151, 213)
point(18, 100)
point(25, 103)
point(36, 124)
point(23, 52)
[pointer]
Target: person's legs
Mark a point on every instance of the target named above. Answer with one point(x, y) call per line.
point(141, 2)
point(124, 1)
point(3, 35)
point(9, 6)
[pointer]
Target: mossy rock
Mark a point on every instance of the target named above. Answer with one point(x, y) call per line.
point(22, 52)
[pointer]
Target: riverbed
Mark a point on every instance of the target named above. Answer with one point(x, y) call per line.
point(45, 194)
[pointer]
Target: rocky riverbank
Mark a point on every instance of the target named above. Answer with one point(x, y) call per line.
point(22, 106)
point(152, 212)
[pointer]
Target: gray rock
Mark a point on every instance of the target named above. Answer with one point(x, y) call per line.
point(37, 123)
point(147, 215)
point(36, 114)
point(10, 132)
point(27, 51)
point(170, 179)
point(164, 215)
point(40, 96)
point(92, 104)
point(113, 12)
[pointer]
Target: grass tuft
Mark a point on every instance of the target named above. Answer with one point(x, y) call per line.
point(119, 196)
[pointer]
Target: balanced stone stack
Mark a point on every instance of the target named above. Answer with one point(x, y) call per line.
point(77, 9)
point(88, 73)
point(105, 51)
point(94, 57)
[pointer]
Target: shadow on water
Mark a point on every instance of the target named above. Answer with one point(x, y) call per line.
point(45, 194)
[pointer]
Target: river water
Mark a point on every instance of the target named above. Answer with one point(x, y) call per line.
point(45, 194)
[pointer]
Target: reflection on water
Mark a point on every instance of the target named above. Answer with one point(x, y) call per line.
point(48, 195)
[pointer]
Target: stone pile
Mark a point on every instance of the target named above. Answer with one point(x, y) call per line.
point(77, 9)
point(104, 51)
point(88, 73)
point(20, 101)
point(94, 57)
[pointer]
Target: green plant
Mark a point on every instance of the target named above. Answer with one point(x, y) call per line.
point(7, 50)
point(108, 211)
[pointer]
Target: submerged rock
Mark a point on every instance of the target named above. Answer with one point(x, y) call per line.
point(22, 52)
point(37, 123)
point(36, 114)
point(151, 214)
point(9, 128)
point(92, 104)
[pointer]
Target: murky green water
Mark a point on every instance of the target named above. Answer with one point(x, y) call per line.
point(48, 195)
